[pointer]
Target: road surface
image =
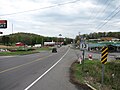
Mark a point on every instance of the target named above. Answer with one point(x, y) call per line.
point(41, 71)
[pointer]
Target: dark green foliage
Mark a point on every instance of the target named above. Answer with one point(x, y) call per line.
point(5, 40)
point(113, 75)
point(100, 34)
point(30, 39)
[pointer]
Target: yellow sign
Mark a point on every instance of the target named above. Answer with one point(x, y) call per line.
point(104, 55)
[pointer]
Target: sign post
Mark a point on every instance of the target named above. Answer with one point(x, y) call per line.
point(104, 61)
point(83, 47)
point(83, 60)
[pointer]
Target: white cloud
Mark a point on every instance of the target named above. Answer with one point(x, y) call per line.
point(83, 16)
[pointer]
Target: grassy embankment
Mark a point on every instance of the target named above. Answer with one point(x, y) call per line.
point(21, 50)
point(92, 74)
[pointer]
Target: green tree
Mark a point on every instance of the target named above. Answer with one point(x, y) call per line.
point(5, 40)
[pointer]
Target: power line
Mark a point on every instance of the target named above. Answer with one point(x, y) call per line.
point(109, 15)
point(100, 10)
point(109, 18)
point(60, 4)
point(112, 12)
point(106, 7)
point(92, 12)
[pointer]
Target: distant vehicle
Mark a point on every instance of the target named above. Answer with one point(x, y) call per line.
point(20, 44)
point(58, 46)
point(37, 45)
point(117, 57)
point(54, 50)
point(49, 43)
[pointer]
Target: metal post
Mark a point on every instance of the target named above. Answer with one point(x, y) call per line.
point(12, 35)
point(79, 39)
point(83, 60)
point(103, 69)
point(57, 41)
point(42, 42)
point(12, 28)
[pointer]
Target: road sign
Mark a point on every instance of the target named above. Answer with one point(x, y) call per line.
point(104, 55)
point(3, 24)
point(83, 46)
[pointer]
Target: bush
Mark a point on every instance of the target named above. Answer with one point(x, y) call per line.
point(93, 73)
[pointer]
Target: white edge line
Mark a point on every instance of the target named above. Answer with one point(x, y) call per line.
point(46, 72)
point(91, 86)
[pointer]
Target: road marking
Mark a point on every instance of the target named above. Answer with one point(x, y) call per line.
point(90, 86)
point(24, 64)
point(27, 88)
point(2, 57)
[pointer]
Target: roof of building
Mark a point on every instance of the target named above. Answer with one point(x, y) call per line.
point(101, 44)
point(96, 45)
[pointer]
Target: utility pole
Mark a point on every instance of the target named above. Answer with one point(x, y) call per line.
point(12, 28)
point(60, 35)
point(12, 35)
point(42, 42)
point(82, 48)
point(79, 39)
point(73, 42)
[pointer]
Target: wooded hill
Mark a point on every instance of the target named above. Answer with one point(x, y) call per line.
point(29, 39)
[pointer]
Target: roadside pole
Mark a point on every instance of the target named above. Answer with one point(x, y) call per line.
point(83, 60)
point(103, 61)
point(103, 70)
point(42, 42)
point(83, 47)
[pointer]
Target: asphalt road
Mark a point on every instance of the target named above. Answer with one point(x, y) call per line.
point(41, 71)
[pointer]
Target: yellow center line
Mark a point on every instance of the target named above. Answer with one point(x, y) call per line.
point(25, 64)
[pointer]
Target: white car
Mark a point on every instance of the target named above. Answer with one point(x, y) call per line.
point(117, 57)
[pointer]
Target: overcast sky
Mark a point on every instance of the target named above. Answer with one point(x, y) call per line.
point(37, 16)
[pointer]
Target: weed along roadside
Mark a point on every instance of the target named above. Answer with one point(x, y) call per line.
point(22, 51)
point(91, 76)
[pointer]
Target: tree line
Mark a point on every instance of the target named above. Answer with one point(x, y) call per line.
point(30, 39)
point(102, 34)
point(97, 36)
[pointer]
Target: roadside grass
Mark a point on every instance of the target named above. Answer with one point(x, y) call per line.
point(92, 74)
point(44, 49)
point(7, 47)
point(24, 51)
point(16, 53)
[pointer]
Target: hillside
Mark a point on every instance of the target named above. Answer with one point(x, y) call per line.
point(28, 38)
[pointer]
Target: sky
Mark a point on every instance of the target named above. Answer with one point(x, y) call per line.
point(65, 17)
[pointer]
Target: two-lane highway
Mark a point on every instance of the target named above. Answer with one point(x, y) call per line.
point(21, 72)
